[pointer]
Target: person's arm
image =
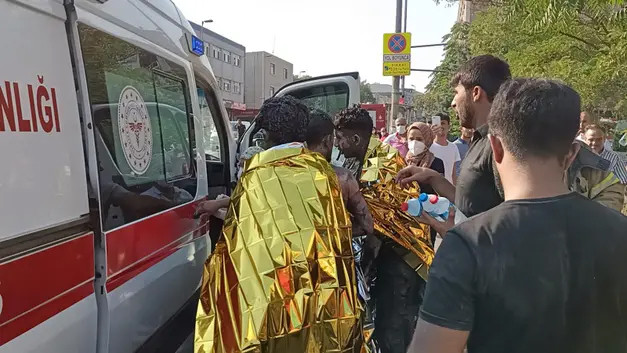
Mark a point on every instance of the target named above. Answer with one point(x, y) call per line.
point(458, 159)
point(429, 338)
point(427, 176)
point(356, 205)
point(210, 207)
point(447, 313)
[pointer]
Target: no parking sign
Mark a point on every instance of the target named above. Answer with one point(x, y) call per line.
point(396, 54)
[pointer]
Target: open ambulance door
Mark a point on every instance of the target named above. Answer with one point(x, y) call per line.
point(330, 94)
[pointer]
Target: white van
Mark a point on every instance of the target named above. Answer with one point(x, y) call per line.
point(111, 131)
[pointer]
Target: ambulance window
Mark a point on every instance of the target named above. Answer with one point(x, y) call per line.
point(175, 127)
point(144, 129)
point(208, 111)
point(330, 98)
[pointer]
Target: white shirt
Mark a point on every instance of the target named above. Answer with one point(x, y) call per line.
point(449, 154)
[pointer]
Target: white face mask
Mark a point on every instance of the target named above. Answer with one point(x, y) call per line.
point(337, 158)
point(401, 129)
point(416, 147)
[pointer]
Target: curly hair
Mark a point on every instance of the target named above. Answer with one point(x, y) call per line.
point(285, 119)
point(356, 119)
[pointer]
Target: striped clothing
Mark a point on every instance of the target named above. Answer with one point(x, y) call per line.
point(618, 164)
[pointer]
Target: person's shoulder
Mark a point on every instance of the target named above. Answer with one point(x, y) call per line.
point(483, 224)
point(602, 215)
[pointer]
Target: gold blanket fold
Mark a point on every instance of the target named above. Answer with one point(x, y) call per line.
point(384, 198)
point(282, 276)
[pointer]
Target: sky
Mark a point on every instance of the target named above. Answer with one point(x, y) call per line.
point(328, 36)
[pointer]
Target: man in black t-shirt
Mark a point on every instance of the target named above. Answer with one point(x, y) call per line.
point(544, 270)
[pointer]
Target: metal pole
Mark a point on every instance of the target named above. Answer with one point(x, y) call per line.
point(404, 30)
point(427, 70)
point(429, 45)
point(396, 79)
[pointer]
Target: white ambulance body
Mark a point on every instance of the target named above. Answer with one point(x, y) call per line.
point(109, 114)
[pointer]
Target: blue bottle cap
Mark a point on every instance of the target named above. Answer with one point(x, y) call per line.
point(423, 197)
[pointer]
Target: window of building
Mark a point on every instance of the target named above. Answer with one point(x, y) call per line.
point(285, 74)
point(143, 126)
point(237, 87)
point(226, 56)
point(226, 85)
point(237, 60)
point(216, 52)
point(271, 91)
point(272, 69)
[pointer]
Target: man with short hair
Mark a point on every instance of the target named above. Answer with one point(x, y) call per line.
point(595, 137)
point(585, 119)
point(320, 138)
point(446, 151)
point(398, 139)
point(463, 144)
point(529, 275)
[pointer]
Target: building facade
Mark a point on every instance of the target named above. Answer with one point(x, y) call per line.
point(265, 74)
point(227, 59)
point(468, 9)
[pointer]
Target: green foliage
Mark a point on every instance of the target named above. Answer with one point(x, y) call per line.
point(365, 93)
point(582, 44)
point(439, 93)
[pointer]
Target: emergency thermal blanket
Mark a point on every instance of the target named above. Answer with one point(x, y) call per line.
point(384, 198)
point(282, 276)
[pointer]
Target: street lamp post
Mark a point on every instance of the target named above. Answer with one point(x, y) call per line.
point(202, 24)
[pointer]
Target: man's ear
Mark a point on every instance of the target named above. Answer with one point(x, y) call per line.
point(571, 155)
point(477, 93)
point(497, 148)
point(356, 139)
point(329, 140)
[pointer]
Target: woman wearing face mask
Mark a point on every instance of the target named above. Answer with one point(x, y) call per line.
point(419, 139)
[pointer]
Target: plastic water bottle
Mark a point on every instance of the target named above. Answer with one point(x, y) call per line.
point(436, 206)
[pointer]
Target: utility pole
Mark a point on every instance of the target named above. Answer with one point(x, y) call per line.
point(396, 79)
point(404, 31)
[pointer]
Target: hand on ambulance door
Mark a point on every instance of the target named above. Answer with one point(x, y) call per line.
point(211, 207)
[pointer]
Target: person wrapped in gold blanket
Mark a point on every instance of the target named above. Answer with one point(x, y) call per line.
point(282, 276)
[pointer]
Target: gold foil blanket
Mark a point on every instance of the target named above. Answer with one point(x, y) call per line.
point(384, 198)
point(282, 276)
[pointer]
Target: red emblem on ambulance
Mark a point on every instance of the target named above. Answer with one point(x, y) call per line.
point(135, 130)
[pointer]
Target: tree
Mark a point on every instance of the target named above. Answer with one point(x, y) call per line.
point(586, 48)
point(439, 93)
point(365, 93)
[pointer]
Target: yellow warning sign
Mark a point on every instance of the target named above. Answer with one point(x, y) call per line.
point(396, 68)
point(396, 54)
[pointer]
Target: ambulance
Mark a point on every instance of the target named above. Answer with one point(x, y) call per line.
point(112, 129)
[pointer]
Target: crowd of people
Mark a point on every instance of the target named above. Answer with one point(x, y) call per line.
point(535, 268)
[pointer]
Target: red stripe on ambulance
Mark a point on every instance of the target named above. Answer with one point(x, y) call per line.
point(136, 247)
point(42, 284)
